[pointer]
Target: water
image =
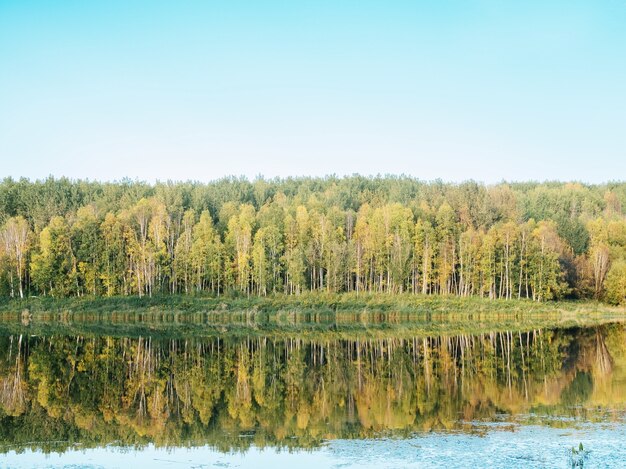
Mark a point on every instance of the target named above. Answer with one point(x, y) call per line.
point(349, 396)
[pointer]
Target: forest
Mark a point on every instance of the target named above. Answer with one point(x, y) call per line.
point(385, 235)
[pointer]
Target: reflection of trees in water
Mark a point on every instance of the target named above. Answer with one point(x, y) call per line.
point(603, 361)
point(12, 384)
point(293, 391)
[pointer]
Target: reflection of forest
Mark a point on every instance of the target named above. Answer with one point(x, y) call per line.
point(232, 392)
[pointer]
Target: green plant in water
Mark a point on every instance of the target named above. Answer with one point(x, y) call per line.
point(578, 456)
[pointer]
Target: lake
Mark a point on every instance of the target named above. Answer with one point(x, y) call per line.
point(355, 391)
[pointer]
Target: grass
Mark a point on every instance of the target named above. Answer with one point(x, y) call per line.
point(310, 315)
point(307, 302)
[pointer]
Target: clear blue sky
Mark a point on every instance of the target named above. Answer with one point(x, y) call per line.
point(487, 90)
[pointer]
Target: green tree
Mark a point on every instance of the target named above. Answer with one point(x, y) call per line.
point(207, 255)
point(87, 239)
point(183, 260)
point(53, 266)
point(14, 237)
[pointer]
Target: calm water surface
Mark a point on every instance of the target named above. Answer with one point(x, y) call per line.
point(355, 395)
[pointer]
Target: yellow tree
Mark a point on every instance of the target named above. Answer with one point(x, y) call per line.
point(183, 267)
point(446, 235)
point(488, 264)
point(469, 250)
point(145, 232)
point(239, 238)
point(206, 254)
point(363, 243)
point(296, 236)
point(398, 222)
point(508, 238)
point(599, 253)
point(547, 275)
point(423, 252)
point(14, 237)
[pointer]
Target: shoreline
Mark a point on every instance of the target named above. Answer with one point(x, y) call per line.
point(306, 302)
point(309, 316)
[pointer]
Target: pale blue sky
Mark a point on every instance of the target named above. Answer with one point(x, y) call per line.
point(487, 90)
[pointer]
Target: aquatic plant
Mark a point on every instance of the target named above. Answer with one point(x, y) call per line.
point(578, 456)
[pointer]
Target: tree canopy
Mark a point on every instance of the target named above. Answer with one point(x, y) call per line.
point(391, 234)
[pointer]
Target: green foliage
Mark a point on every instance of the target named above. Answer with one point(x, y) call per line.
point(53, 267)
point(616, 283)
point(578, 456)
point(377, 235)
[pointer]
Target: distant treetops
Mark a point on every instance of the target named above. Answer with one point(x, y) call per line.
point(385, 234)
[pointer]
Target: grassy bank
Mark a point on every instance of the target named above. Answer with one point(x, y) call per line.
point(308, 315)
point(309, 302)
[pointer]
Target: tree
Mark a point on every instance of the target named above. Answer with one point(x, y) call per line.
point(114, 258)
point(423, 253)
point(616, 283)
point(183, 261)
point(87, 239)
point(445, 231)
point(295, 236)
point(53, 266)
point(546, 274)
point(207, 255)
point(14, 237)
point(599, 253)
point(381, 234)
point(239, 239)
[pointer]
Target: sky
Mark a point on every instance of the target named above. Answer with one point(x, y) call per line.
point(452, 90)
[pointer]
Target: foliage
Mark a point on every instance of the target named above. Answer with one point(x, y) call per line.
point(387, 235)
point(616, 283)
point(578, 456)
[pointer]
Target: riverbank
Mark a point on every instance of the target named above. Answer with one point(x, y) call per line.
point(321, 303)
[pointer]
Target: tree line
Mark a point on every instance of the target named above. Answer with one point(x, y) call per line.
point(391, 234)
